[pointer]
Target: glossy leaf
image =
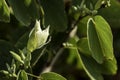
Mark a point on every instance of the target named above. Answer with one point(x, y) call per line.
point(4, 11)
point(22, 75)
point(51, 76)
point(24, 10)
point(100, 39)
point(54, 14)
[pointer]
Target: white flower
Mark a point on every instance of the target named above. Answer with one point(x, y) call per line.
point(37, 37)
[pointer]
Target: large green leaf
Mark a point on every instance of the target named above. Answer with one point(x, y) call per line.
point(100, 39)
point(93, 42)
point(4, 11)
point(54, 14)
point(25, 10)
point(51, 76)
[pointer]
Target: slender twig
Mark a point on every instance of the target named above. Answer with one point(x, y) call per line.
point(32, 75)
point(56, 57)
point(58, 54)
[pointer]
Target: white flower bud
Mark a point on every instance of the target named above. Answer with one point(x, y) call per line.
point(37, 37)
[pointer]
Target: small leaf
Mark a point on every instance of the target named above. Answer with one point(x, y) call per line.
point(51, 76)
point(99, 3)
point(9, 68)
point(22, 55)
point(83, 46)
point(4, 72)
point(22, 75)
point(27, 60)
point(4, 11)
point(100, 39)
point(17, 57)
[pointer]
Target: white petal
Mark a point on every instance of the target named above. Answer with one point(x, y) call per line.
point(37, 26)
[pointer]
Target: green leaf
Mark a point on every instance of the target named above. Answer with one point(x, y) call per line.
point(51, 76)
point(4, 11)
point(106, 69)
point(100, 39)
point(83, 46)
point(93, 43)
point(82, 26)
point(54, 14)
point(17, 57)
point(25, 10)
point(99, 3)
point(91, 67)
point(22, 75)
point(27, 60)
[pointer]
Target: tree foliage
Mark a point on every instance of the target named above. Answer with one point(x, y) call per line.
point(49, 39)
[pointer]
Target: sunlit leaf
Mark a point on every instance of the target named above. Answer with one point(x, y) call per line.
point(100, 39)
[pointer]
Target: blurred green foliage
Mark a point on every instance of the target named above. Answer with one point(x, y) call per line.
point(91, 49)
